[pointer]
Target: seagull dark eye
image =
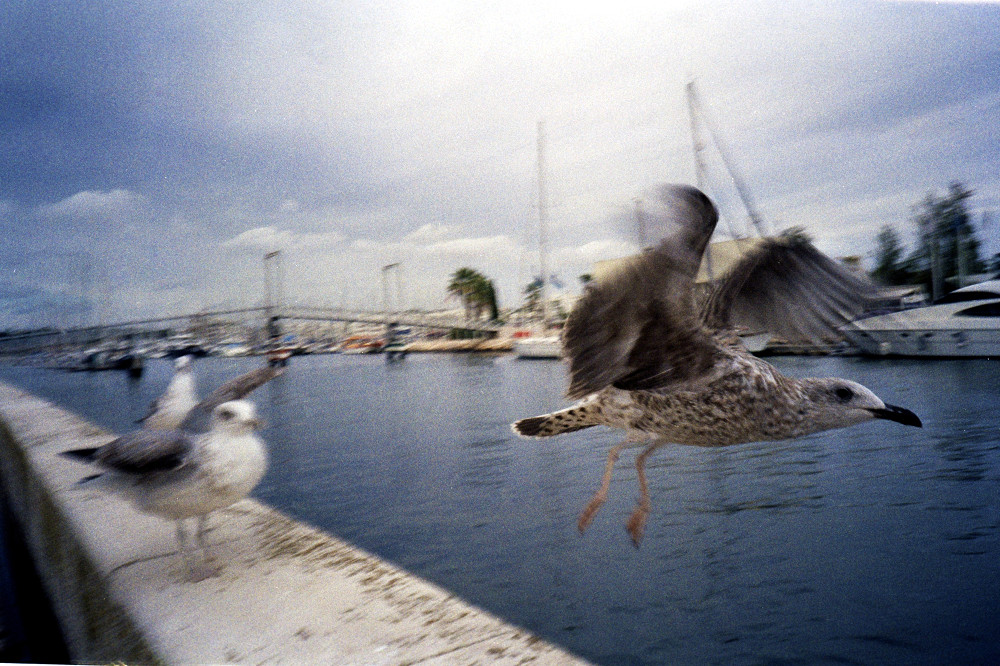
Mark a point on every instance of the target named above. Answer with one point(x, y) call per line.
point(844, 394)
point(226, 415)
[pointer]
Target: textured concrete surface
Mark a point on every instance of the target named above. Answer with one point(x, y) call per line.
point(287, 593)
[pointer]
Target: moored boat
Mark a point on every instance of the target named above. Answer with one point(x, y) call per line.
point(537, 346)
point(965, 323)
point(361, 344)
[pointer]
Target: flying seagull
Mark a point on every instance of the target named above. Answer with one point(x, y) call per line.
point(167, 411)
point(647, 357)
point(178, 475)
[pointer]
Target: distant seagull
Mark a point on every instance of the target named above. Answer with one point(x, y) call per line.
point(168, 411)
point(645, 357)
point(179, 407)
point(198, 418)
point(177, 475)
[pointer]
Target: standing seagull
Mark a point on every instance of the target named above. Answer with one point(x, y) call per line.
point(644, 357)
point(177, 475)
point(168, 410)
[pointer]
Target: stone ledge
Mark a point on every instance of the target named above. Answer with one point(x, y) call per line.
point(287, 592)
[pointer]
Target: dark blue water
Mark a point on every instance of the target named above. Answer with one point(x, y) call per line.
point(875, 544)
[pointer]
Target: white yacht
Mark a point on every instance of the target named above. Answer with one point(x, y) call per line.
point(538, 346)
point(755, 342)
point(966, 322)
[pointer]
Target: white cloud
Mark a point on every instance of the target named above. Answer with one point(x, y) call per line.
point(598, 250)
point(88, 202)
point(270, 238)
point(432, 232)
point(260, 238)
point(489, 247)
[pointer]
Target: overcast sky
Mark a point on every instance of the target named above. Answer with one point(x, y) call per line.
point(152, 152)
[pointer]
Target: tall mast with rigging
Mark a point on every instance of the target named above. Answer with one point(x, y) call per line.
point(543, 220)
point(697, 111)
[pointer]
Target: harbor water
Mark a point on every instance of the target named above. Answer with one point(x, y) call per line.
point(874, 544)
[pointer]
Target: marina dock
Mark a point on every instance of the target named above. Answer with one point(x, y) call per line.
point(286, 593)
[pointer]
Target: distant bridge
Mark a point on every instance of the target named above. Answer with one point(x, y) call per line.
point(270, 318)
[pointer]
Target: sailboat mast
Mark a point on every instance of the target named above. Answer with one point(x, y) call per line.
point(699, 165)
point(543, 219)
point(694, 105)
point(699, 162)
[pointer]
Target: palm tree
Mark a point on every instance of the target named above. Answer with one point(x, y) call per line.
point(462, 285)
point(476, 292)
point(533, 297)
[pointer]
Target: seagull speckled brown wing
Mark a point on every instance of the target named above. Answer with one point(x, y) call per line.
point(636, 328)
point(788, 287)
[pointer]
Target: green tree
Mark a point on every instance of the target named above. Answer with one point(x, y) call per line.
point(889, 252)
point(947, 246)
point(533, 297)
point(488, 299)
point(476, 291)
point(461, 286)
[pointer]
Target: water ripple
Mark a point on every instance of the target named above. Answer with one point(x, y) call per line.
point(873, 544)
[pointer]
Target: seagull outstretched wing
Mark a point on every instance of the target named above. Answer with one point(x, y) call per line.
point(140, 452)
point(788, 287)
point(637, 328)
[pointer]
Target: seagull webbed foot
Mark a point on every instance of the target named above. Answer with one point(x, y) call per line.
point(637, 522)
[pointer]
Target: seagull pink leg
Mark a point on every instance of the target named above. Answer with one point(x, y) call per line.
point(208, 568)
point(637, 521)
point(597, 501)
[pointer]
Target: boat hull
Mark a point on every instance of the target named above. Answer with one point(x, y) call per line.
point(541, 347)
point(965, 326)
point(756, 343)
point(936, 342)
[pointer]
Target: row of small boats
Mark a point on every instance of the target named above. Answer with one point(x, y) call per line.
point(965, 323)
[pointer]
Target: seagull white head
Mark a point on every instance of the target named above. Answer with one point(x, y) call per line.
point(235, 417)
point(838, 403)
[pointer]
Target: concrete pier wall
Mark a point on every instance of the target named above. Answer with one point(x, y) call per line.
point(287, 593)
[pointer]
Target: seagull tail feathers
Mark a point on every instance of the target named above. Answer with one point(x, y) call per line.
point(556, 423)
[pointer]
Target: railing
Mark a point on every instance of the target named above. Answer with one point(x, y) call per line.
point(406, 318)
point(161, 327)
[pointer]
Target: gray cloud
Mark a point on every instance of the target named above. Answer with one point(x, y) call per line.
point(169, 141)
